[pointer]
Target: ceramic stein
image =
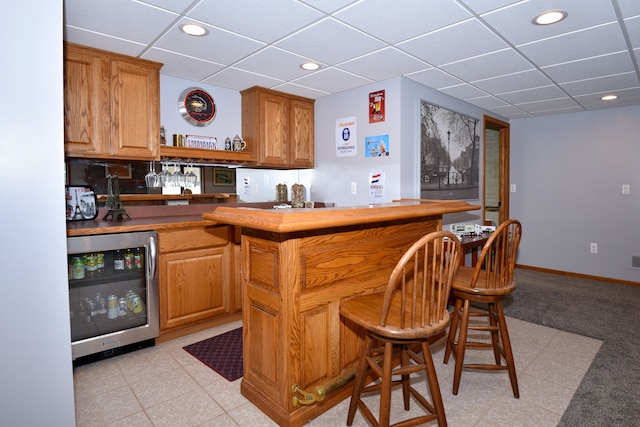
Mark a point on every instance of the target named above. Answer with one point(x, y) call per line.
point(239, 144)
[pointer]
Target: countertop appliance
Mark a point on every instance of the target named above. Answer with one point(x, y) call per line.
point(113, 291)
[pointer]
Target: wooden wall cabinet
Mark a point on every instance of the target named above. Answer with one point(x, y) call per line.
point(196, 283)
point(111, 105)
point(278, 128)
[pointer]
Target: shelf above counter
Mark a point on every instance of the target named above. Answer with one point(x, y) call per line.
point(201, 156)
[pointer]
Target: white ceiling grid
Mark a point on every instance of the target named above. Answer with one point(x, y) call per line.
point(485, 52)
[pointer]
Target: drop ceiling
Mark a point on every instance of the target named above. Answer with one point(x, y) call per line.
point(485, 52)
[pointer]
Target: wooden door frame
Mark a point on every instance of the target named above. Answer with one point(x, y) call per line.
point(504, 147)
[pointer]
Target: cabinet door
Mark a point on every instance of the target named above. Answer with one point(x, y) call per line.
point(301, 128)
point(135, 103)
point(194, 285)
point(86, 102)
point(274, 132)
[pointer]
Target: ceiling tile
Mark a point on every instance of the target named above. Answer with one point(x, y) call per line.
point(482, 6)
point(625, 98)
point(234, 78)
point(328, 6)
point(579, 45)
point(454, 43)
point(533, 95)
point(463, 91)
point(118, 18)
point(514, 22)
point(633, 29)
point(218, 46)
point(561, 104)
point(602, 84)
point(100, 41)
point(435, 78)
point(274, 62)
point(178, 6)
point(487, 102)
point(406, 19)
point(258, 19)
point(589, 68)
point(485, 66)
point(300, 90)
point(182, 66)
point(629, 7)
point(332, 80)
point(384, 64)
point(326, 41)
point(513, 82)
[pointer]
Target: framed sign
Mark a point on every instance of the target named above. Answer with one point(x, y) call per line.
point(376, 106)
point(197, 107)
point(224, 177)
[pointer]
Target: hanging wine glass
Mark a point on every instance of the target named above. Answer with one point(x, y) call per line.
point(191, 179)
point(164, 176)
point(152, 180)
point(177, 176)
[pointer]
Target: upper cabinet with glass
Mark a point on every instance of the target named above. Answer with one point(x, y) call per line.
point(111, 105)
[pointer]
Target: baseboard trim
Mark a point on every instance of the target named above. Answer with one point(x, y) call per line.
point(578, 275)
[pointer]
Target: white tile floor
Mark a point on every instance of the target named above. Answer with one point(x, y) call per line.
point(165, 386)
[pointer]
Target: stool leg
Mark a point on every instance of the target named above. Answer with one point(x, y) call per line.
point(495, 340)
point(404, 361)
point(508, 354)
point(452, 330)
point(385, 390)
point(360, 377)
point(434, 386)
point(460, 347)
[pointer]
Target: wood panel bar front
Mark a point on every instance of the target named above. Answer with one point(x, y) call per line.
point(298, 265)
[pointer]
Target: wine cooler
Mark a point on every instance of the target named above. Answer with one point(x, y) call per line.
point(113, 291)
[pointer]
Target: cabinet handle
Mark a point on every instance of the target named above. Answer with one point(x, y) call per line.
point(153, 251)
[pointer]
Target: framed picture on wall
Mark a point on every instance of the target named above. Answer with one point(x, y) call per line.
point(224, 177)
point(123, 171)
point(449, 154)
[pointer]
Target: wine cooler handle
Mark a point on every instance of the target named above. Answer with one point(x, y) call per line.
point(153, 252)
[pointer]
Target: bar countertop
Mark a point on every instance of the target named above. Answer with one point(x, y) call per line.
point(299, 219)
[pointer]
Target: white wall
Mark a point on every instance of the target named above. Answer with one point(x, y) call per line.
point(35, 361)
point(333, 175)
point(569, 170)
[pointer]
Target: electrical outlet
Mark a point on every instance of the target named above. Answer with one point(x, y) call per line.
point(594, 248)
point(626, 188)
point(513, 188)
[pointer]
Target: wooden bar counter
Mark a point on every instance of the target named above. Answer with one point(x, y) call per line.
point(297, 266)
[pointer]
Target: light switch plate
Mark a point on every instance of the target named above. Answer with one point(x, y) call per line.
point(626, 188)
point(513, 188)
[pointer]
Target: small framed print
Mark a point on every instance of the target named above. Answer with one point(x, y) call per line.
point(224, 177)
point(123, 171)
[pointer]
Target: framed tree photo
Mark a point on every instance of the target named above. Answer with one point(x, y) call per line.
point(449, 154)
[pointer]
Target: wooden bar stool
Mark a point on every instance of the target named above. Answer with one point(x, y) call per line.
point(487, 283)
point(398, 324)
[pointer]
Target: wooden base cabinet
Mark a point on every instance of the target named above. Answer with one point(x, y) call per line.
point(195, 276)
point(111, 105)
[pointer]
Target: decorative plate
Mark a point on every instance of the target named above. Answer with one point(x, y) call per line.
point(197, 107)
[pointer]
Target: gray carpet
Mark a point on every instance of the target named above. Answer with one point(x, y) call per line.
point(609, 394)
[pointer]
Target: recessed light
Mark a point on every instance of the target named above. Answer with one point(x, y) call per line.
point(609, 97)
point(549, 17)
point(309, 66)
point(194, 30)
